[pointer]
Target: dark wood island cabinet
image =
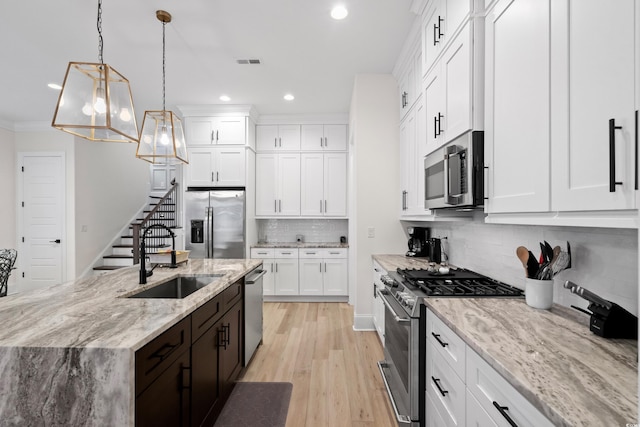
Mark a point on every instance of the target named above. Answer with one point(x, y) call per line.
point(184, 376)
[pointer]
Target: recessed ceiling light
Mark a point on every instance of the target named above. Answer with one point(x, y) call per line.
point(54, 86)
point(289, 97)
point(339, 12)
point(224, 98)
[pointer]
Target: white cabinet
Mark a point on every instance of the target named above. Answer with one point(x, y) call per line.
point(464, 390)
point(278, 184)
point(304, 272)
point(409, 78)
point(378, 305)
point(412, 152)
point(453, 89)
point(323, 184)
point(323, 271)
point(267, 256)
point(594, 71)
point(517, 111)
point(498, 398)
point(324, 137)
point(440, 23)
point(277, 137)
point(220, 166)
point(215, 130)
point(282, 270)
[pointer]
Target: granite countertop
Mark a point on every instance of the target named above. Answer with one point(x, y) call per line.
point(67, 353)
point(392, 262)
point(94, 311)
point(322, 245)
point(571, 375)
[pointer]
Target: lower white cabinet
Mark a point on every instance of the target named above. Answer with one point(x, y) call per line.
point(378, 305)
point(464, 390)
point(498, 398)
point(304, 272)
point(281, 266)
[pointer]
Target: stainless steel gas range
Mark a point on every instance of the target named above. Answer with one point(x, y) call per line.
point(403, 369)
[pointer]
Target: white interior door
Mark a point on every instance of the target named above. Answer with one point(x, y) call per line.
point(42, 202)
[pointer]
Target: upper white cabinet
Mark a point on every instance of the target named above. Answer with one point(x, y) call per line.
point(410, 77)
point(215, 130)
point(278, 184)
point(517, 106)
point(561, 99)
point(324, 138)
point(222, 166)
point(454, 88)
point(412, 152)
point(594, 70)
point(440, 23)
point(323, 182)
point(277, 137)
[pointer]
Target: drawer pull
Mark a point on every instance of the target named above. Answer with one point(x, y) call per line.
point(503, 411)
point(186, 377)
point(436, 381)
point(222, 333)
point(164, 351)
point(437, 337)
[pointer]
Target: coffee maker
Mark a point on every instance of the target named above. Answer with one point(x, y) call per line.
point(418, 237)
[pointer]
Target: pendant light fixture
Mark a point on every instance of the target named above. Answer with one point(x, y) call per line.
point(95, 101)
point(162, 136)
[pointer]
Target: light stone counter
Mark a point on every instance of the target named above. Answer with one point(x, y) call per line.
point(67, 352)
point(571, 375)
point(322, 245)
point(392, 262)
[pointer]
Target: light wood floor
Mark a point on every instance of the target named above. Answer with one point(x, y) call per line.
point(336, 381)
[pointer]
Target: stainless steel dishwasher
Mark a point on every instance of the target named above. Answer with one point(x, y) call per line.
point(252, 312)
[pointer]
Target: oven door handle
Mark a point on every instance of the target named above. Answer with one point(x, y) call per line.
point(395, 315)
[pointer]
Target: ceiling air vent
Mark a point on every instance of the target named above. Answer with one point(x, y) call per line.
point(248, 61)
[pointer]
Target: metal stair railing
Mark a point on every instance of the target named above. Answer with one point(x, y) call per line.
point(164, 212)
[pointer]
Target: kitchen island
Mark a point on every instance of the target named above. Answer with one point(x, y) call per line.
point(67, 353)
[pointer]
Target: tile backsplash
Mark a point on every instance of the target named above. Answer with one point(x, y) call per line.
point(313, 230)
point(604, 261)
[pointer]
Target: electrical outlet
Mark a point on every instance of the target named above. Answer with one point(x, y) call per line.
point(371, 232)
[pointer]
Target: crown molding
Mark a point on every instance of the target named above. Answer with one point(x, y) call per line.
point(218, 110)
point(304, 119)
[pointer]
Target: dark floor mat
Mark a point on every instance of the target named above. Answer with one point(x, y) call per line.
point(256, 405)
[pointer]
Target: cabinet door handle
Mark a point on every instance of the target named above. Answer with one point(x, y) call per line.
point(275, 206)
point(279, 205)
point(503, 411)
point(435, 126)
point(276, 267)
point(213, 179)
point(217, 176)
point(636, 151)
point(217, 136)
point(227, 333)
point(436, 381)
point(222, 339)
point(320, 206)
point(435, 34)
point(320, 265)
point(437, 337)
point(279, 142)
point(186, 379)
point(320, 141)
point(212, 136)
point(612, 155)
point(440, 21)
point(164, 351)
point(275, 142)
point(325, 206)
point(326, 143)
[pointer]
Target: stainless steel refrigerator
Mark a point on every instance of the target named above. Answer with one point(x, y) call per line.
point(215, 221)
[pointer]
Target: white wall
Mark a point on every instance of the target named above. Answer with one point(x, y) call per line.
point(604, 261)
point(374, 181)
point(111, 186)
point(7, 194)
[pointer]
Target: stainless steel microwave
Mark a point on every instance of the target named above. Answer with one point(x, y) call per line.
point(454, 173)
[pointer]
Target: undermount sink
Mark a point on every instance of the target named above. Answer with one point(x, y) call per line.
point(180, 287)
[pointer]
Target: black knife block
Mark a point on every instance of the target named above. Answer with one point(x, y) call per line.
point(615, 322)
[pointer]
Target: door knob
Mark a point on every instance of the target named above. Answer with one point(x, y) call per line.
point(54, 241)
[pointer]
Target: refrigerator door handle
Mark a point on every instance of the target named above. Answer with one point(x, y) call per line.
point(213, 235)
point(208, 231)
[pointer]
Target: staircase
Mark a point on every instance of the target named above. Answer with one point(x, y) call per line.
point(160, 210)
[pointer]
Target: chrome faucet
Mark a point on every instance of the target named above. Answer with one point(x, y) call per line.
point(143, 269)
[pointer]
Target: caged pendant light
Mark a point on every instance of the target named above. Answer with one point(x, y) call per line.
point(162, 136)
point(95, 101)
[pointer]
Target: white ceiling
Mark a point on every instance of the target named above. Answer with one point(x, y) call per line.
point(303, 51)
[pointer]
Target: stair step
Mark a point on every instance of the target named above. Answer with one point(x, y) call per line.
point(162, 245)
point(118, 260)
point(107, 267)
point(166, 204)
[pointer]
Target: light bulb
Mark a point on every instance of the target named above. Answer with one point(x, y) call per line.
point(164, 137)
point(100, 106)
point(125, 115)
point(87, 110)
